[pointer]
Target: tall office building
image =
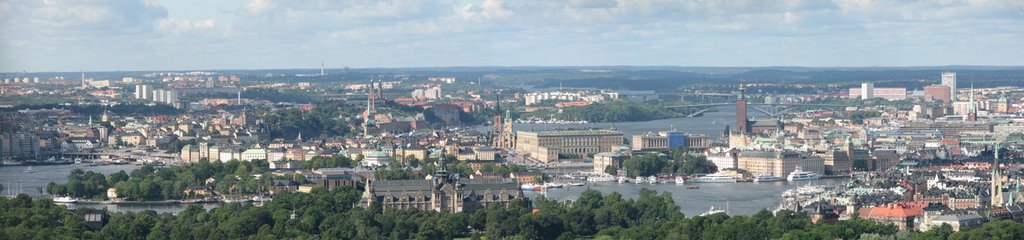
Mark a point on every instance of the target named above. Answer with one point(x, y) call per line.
point(867, 91)
point(158, 95)
point(142, 92)
point(949, 80)
point(170, 97)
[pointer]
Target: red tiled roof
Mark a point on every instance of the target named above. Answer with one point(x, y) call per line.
point(894, 210)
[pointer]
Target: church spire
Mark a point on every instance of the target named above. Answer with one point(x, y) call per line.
point(997, 179)
point(740, 96)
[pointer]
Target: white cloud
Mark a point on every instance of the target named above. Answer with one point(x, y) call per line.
point(592, 3)
point(84, 15)
point(474, 32)
point(258, 6)
point(179, 26)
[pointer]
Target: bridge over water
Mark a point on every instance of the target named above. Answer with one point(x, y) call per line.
point(773, 109)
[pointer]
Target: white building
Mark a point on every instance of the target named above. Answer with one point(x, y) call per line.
point(537, 97)
point(723, 159)
point(254, 154)
point(375, 158)
point(867, 91)
point(949, 79)
point(429, 93)
point(142, 92)
point(229, 154)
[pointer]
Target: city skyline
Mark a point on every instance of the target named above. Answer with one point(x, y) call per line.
point(265, 34)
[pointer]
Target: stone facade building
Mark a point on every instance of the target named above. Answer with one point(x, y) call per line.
point(442, 192)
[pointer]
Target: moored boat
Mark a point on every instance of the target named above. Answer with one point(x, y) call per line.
point(767, 178)
point(65, 199)
point(714, 178)
point(799, 174)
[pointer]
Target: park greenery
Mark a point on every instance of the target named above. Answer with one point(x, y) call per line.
point(618, 111)
point(330, 119)
point(336, 161)
point(153, 184)
point(134, 109)
point(677, 163)
point(320, 121)
point(334, 214)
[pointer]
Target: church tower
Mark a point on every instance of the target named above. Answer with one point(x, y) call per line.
point(972, 115)
point(368, 121)
point(997, 180)
point(496, 118)
point(741, 113)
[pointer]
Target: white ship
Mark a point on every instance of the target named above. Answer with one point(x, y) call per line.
point(602, 178)
point(652, 179)
point(799, 174)
point(680, 180)
point(553, 185)
point(767, 178)
point(531, 187)
point(712, 211)
point(65, 199)
point(714, 178)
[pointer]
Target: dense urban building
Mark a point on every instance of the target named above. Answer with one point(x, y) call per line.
point(546, 146)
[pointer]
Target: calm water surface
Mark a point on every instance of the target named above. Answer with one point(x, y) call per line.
point(744, 198)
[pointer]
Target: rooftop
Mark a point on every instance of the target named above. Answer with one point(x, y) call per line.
point(590, 132)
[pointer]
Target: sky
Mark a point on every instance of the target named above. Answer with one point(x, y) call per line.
point(128, 35)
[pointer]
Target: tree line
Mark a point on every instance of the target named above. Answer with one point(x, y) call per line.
point(153, 184)
point(680, 163)
point(333, 215)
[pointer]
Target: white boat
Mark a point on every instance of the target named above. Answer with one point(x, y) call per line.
point(576, 184)
point(29, 170)
point(553, 185)
point(799, 174)
point(767, 178)
point(622, 179)
point(712, 211)
point(680, 180)
point(652, 179)
point(714, 178)
point(65, 199)
point(639, 180)
point(261, 199)
point(602, 178)
point(237, 200)
point(804, 191)
point(531, 187)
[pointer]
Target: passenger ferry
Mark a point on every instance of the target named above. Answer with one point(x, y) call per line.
point(799, 174)
point(714, 178)
point(680, 180)
point(767, 178)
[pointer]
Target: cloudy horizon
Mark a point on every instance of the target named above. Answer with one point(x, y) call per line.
point(126, 35)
